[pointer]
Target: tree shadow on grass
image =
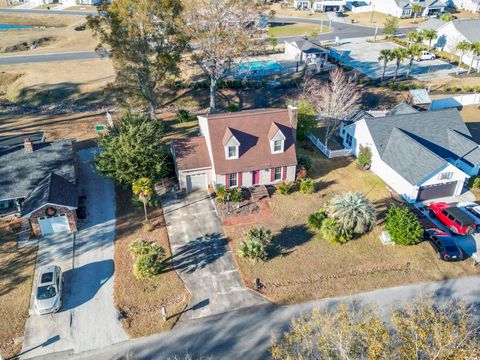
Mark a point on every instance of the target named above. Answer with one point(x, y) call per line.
point(290, 237)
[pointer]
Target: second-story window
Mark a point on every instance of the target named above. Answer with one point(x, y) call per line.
point(277, 146)
point(232, 152)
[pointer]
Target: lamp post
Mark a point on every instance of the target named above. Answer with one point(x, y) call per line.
point(373, 10)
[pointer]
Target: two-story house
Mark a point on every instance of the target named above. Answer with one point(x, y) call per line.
point(247, 148)
point(320, 5)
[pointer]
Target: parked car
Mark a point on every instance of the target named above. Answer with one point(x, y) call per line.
point(454, 218)
point(422, 218)
point(472, 208)
point(425, 55)
point(339, 14)
point(48, 294)
point(444, 245)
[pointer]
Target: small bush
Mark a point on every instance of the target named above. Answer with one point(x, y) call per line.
point(403, 226)
point(183, 115)
point(253, 250)
point(305, 161)
point(141, 247)
point(454, 89)
point(364, 156)
point(474, 183)
point(477, 88)
point(333, 232)
point(315, 220)
point(222, 194)
point(307, 186)
point(391, 86)
point(284, 187)
point(146, 266)
point(400, 87)
point(233, 107)
point(236, 195)
point(262, 235)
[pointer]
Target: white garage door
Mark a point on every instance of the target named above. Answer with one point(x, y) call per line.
point(54, 224)
point(196, 182)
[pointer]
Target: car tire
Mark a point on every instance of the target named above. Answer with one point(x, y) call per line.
point(469, 232)
point(452, 230)
point(432, 214)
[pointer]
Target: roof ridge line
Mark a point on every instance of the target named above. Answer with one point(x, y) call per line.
point(243, 113)
point(403, 132)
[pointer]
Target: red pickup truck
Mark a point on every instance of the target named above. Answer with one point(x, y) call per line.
point(457, 222)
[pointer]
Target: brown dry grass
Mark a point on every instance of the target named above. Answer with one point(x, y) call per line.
point(471, 116)
point(379, 19)
point(16, 276)
point(142, 299)
point(304, 266)
point(291, 12)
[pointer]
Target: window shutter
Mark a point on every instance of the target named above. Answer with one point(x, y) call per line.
point(239, 179)
point(284, 173)
point(272, 174)
point(227, 180)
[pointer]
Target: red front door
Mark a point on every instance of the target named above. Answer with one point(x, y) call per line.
point(256, 177)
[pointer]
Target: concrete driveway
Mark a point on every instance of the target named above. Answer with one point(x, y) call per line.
point(88, 319)
point(202, 257)
point(363, 56)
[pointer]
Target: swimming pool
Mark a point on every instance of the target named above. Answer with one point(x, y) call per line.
point(14, 27)
point(259, 65)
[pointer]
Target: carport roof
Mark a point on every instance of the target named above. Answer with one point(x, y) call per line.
point(191, 153)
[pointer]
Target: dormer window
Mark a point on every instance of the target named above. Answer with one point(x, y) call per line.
point(232, 152)
point(231, 144)
point(277, 139)
point(277, 146)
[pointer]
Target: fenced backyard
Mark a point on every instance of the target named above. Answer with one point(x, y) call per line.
point(329, 153)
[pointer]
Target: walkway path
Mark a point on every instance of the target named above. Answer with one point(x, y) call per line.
point(202, 257)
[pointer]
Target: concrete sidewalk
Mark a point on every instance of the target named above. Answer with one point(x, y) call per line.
point(202, 257)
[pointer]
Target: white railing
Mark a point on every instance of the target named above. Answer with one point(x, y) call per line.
point(326, 151)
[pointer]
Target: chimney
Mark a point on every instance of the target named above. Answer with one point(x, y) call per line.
point(27, 145)
point(293, 115)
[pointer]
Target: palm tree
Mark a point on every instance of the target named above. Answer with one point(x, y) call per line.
point(386, 57)
point(462, 47)
point(143, 188)
point(475, 50)
point(412, 51)
point(252, 249)
point(414, 37)
point(416, 9)
point(429, 34)
point(353, 211)
point(399, 54)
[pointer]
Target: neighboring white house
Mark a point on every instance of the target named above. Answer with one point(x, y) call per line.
point(450, 34)
point(246, 148)
point(61, 2)
point(420, 155)
point(469, 5)
point(403, 8)
point(306, 51)
point(320, 5)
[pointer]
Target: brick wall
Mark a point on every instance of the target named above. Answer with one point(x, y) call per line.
point(71, 216)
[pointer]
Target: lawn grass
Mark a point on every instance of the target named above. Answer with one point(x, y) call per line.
point(303, 266)
point(16, 275)
point(299, 29)
point(379, 19)
point(142, 300)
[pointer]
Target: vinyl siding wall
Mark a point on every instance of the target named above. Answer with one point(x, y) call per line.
point(265, 177)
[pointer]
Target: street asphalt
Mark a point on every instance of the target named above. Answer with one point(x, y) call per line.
point(202, 257)
point(247, 333)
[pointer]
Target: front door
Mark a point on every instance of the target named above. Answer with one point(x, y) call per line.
point(256, 177)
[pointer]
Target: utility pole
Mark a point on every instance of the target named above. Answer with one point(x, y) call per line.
point(376, 32)
point(373, 10)
point(321, 26)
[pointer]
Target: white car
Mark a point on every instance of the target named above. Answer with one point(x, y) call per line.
point(471, 208)
point(48, 294)
point(425, 55)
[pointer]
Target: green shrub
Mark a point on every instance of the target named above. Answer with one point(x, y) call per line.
point(333, 232)
point(467, 89)
point(474, 183)
point(391, 86)
point(142, 247)
point(403, 226)
point(222, 194)
point(232, 107)
point(284, 187)
point(262, 235)
point(446, 89)
point(315, 220)
point(236, 195)
point(183, 115)
point(307, 186)
point(364, 156)
point(146, 266)
point(253, 250)
point(455, 89)
point(477, 88)
point(305, 161)
point(400, 87)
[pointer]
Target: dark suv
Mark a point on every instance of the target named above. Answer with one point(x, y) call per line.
point(444, 245)
point(457, 221)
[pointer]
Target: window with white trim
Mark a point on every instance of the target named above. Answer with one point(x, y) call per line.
point(233, 180)
point(232, 152)
point(349, 139)
point(277, 175)
point(445, 175)
point(277, 146)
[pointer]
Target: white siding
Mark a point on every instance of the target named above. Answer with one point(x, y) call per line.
point(265, 177)
point(388, 7)
point(292, 52)
point(468, 5)
point(458, 175)
point(182, 176)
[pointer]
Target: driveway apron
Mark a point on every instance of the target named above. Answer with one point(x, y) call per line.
point(88, 319)
point(202, 257)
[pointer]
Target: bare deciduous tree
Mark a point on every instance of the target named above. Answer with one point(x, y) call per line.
point(333, 100)
point(223, 32)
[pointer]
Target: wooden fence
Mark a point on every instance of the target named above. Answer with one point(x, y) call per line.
point(328, 152)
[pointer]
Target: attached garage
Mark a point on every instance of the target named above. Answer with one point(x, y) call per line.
point(437, 191)
point(54, 224)
point(197, 182)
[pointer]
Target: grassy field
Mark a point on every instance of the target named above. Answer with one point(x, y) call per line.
point(142, 299)
point(299, 29)
point(277, 10)
point(16, 276)
point(303, 266)
point(379, 19)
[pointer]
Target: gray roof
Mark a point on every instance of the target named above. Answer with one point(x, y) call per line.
point(432, 23)
point(53, 189)
point(470, 29)
point(356, 115)
point(441, 132)
point(401, 109)
point(15, 140)
point(309, 46)
point(22, 172)
point(420, 97)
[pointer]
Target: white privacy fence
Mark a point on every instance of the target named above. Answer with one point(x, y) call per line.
point(362, 9)
point(455, 101)
point(326, 151)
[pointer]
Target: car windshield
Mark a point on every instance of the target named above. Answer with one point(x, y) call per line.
point(451, 249)
point(46, 292)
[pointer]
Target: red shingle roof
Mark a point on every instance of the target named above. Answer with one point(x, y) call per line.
point(191, 153)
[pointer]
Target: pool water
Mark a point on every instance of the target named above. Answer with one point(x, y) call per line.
point(259, 65)
point(14, 27)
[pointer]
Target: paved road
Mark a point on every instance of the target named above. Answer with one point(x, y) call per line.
point(88, 319)
point(202, 257)
point(246, 333)
point(41, 58)
point(49, 12)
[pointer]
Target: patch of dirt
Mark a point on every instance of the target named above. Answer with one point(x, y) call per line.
point(30, 44)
